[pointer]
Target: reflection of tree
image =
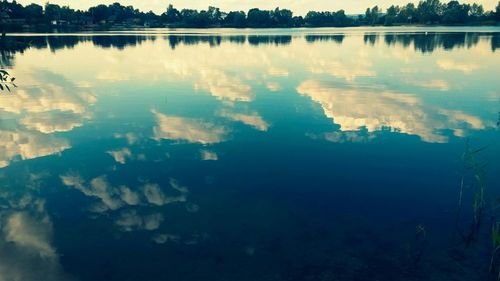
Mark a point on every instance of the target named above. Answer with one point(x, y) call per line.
point(175, 40)
point(37, 42)
point(495, 42)
point(423, 42)
point(9, 46)
point(21, 43)
point(370, 39)
point(238, 39)
point(338, 38)
point(62, 42)
point(6, 80)
point(120, 42)
point(215, 41)
point(428, 42)
point(271, 39)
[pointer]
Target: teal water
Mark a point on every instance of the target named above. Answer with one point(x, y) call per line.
point(307, 154)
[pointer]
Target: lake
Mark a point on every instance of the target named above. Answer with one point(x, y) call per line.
point(279, 154)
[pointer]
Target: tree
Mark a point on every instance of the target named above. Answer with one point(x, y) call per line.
point(194, 18)
point(476, 11)
point(235, 19)
point(282, 18)
point(214, 15)
point(68, 14)
point(497, 12)
point(372, 15)
point(338, 18)
point(4, 16)
point(298, 21)
point(16, 10)
point(6, 80)
point(407, 14)
point(52, 12)
point(100, 13)
point(258, 18)
point(172, 14)
point(429, 11)
point(33, 13)
point(391, 16)
point(454, 13)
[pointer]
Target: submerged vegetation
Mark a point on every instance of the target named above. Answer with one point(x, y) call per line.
point(473, 169)
point(473, 180)
point(16, 17)
point(495, 237)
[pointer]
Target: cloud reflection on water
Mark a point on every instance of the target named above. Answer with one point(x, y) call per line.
point(27, 250)
point(187, 129)
point(363, 91)
point(376, 109)
point(46, 103)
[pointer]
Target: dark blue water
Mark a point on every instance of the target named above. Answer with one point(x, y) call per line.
point(316, 154)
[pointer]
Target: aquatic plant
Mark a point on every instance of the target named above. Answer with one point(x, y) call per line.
point(472, 167)
point(495, 237)
point(6, 80)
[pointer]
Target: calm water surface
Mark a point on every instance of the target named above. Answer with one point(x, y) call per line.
point(320, 154)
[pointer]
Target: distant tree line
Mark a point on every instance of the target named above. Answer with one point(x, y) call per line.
point(14, 16)
point(431, 12)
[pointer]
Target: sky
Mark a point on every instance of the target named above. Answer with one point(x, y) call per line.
point(299, 7)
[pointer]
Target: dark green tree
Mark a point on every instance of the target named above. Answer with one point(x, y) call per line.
point(455, 13)
point(408, 14)
point(282, 18)
point(33, 13)
point(235, 19)
point(16, 10)
point(100, 13)
point(429, 11)
point(497, 12)
point(215, 15)
point(258, 18)
point(476, 11)
point(391, 16)
point(298, 21)
point(172, 15)
point(372, 15)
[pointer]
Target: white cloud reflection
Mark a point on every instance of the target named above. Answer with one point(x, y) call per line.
point(207, 155)
point(46, 104)
point(114, 198)
point(224, 87)
point(130, 220)
point(253, 119)
point(273, 86)
point(28, 145)
point(374, 110)
point(27, 252)
point(49, 122)
point(121, 155)
point(155, 195)
point(186, 129)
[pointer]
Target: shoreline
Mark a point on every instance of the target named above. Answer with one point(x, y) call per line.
point(264, 31)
